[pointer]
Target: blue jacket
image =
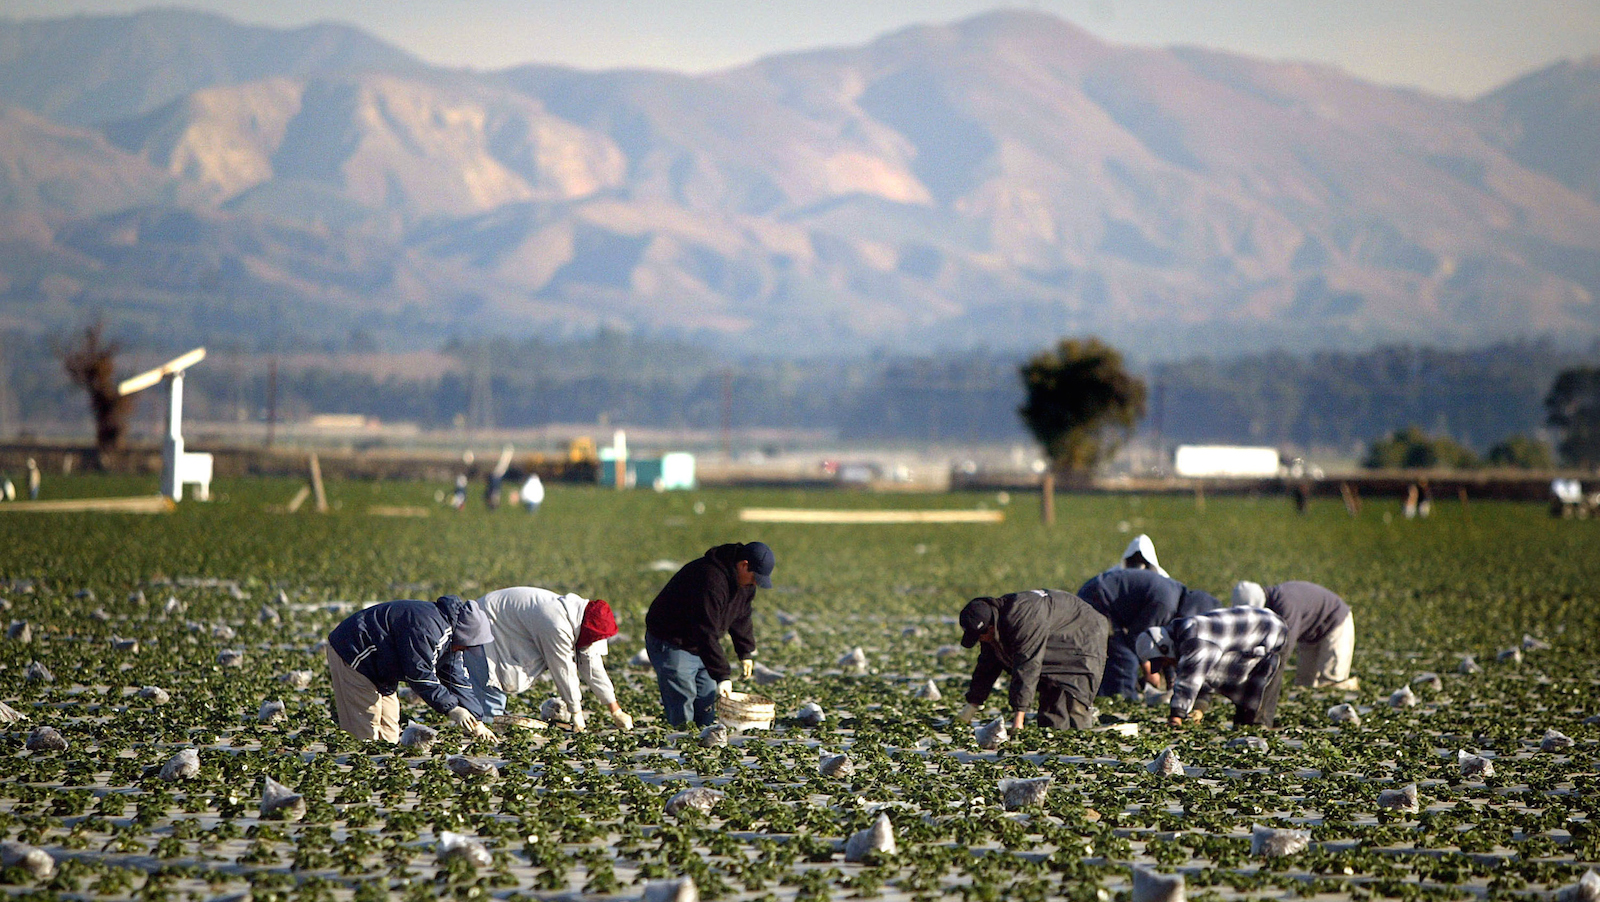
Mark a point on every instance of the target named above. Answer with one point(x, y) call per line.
point(1135, 600)
point(409, 640)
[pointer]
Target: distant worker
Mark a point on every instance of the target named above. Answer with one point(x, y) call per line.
point(34, 478)
point(1321, 627)
point(537, 630)
point(1141, 555)
point(1134, 600)
point(532, 493)
point(1233, 652)
point(1053, 645)
point(709, 597)
point(420, 642)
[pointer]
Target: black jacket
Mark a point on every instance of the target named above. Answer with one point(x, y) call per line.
point(408, 640)
point(699, 604)
point(1042, 634)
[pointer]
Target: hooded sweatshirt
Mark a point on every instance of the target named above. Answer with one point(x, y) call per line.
point(702, 602)
point(536, 630)
point(409, 640)
point(1310, 611)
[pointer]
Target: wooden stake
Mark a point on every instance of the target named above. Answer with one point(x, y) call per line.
point(299, 498)
point(316, 484)
point(1352, 501)
point(1047, 492)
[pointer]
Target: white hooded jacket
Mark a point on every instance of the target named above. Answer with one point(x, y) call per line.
point(1146, 549)
point(537, 630)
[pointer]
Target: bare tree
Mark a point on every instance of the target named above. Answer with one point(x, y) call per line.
point(90, 361)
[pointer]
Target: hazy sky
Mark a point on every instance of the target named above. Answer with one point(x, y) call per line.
point(1455, 47)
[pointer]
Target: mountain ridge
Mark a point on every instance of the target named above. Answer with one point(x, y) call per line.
point(998, 181)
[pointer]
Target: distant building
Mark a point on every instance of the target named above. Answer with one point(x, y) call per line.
point(665, 473)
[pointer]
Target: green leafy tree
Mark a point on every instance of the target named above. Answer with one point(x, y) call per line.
point(1412, 449)
point(1521, 452)
point(1573, 406)
point(1082, 402)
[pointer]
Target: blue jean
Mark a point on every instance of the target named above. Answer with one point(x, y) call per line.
point(687, 689)
point(1122, 668)
point(491, 700)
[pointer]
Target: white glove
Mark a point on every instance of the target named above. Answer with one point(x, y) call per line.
point(725, 687)
point(747, 666)
point(466, 720)
point(967, 713)
point(622, 719)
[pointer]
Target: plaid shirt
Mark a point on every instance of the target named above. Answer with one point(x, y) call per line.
point(1234, 652)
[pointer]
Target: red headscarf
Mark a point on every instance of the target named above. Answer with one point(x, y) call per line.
point(598, 623)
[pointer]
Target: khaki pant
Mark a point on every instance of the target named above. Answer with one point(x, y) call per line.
point(1327, 663)
point(361, 710)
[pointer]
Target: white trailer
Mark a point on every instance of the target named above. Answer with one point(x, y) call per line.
point(1239, 461)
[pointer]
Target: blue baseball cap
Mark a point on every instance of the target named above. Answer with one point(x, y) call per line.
point(761, 561)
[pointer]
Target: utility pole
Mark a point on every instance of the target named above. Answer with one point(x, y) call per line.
point(272, 398)
point(727, 415)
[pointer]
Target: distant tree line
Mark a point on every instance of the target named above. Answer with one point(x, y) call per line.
point(1478, 399)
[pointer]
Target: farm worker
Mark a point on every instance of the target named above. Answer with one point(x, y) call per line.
point(536, 630)
point(1233, 652)
point(532, 493)
point(34, 478)
point(421, 642)
point(1052, 643)
point(1134, 600)
point(1140, 555)
point(708, 597)
point(1321, 628)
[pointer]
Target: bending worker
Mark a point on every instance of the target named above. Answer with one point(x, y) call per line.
point(1321, 628)
point(1135, 600)
point(420, 642)
point(1051, 642)
point(1233, 652)
point(537, 630)
point(708, 598)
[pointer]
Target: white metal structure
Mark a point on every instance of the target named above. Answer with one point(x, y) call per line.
point(1225, 460)
point(178, 468)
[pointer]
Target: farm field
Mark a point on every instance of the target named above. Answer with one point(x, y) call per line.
point(116, 603)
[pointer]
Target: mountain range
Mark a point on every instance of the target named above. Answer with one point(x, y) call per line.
point(999, 182)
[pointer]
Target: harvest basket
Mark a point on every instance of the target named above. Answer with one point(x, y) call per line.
point(744, 711)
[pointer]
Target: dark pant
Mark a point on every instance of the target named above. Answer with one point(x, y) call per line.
point(1063, 707)
point(1267, 711)
point(687, 690)
point(1122, 668)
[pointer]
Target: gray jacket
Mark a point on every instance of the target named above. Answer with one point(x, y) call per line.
point(1042, 634)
